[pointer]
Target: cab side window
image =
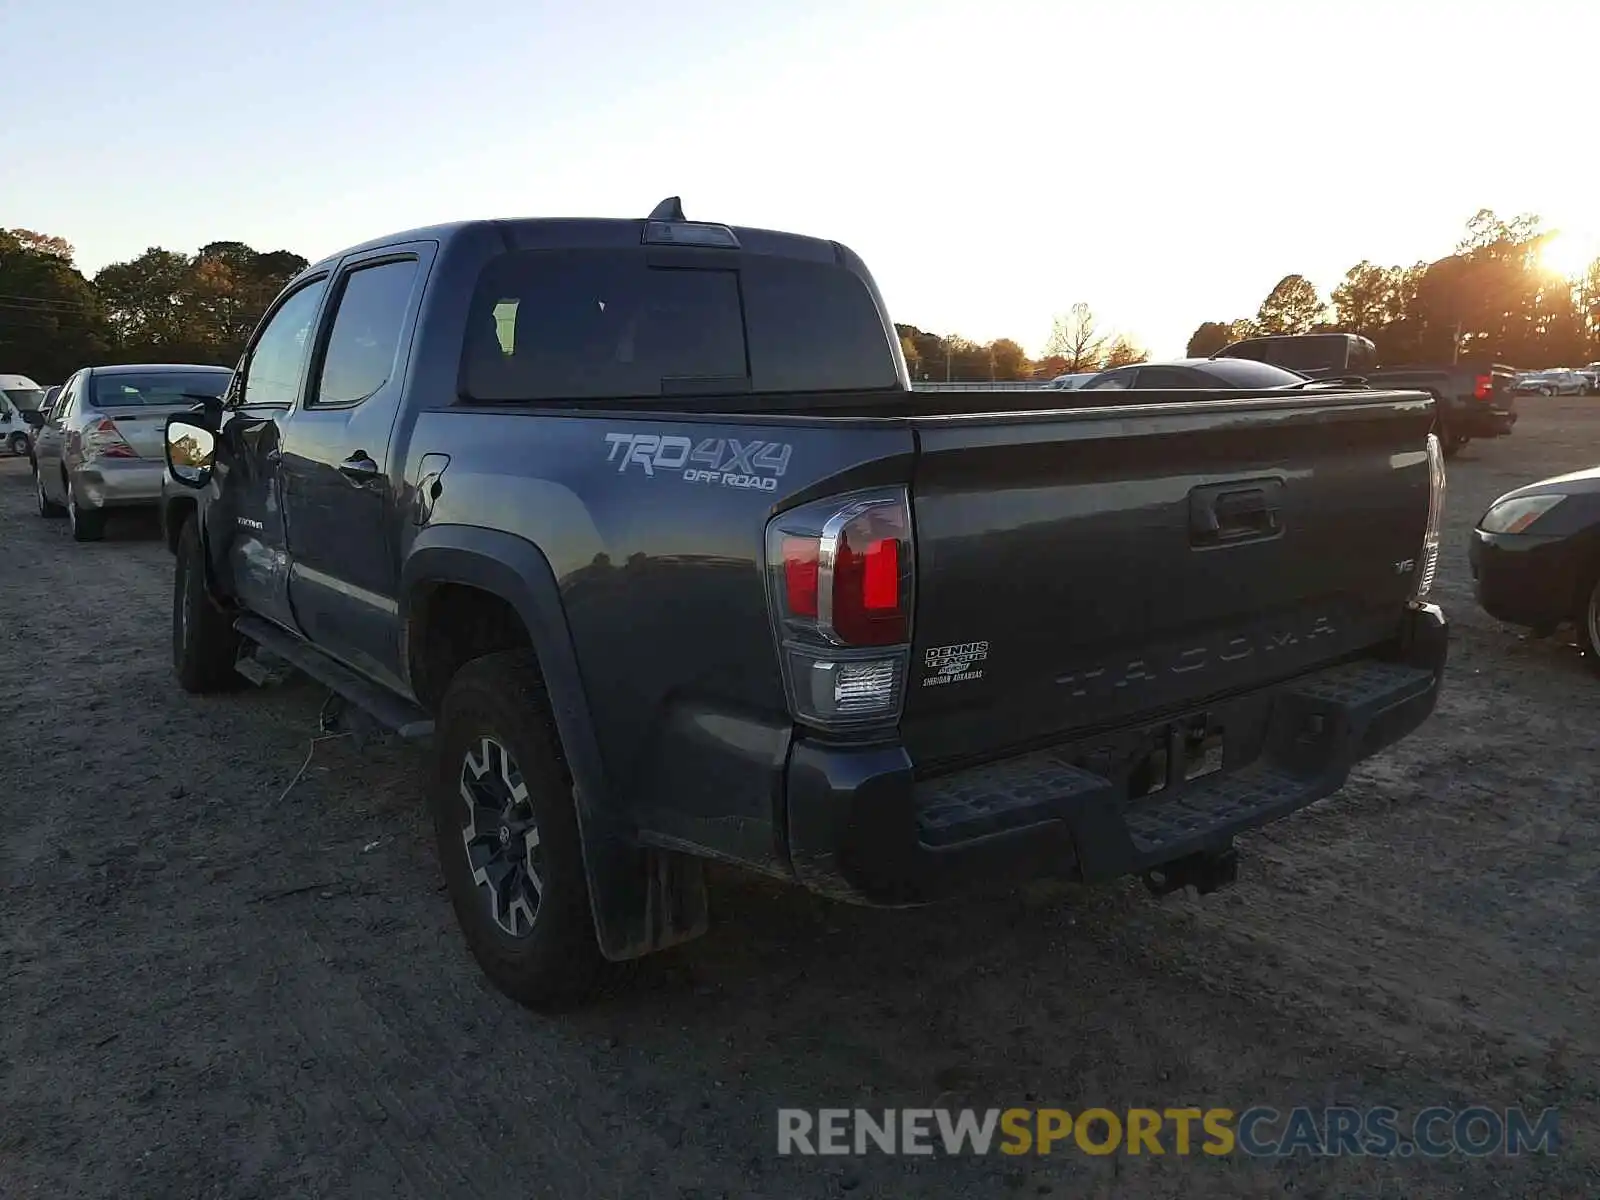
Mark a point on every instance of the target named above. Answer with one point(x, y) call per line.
point(365, 339)
point(277, 363)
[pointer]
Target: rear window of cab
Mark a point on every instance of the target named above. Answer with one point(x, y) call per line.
point(606, 324)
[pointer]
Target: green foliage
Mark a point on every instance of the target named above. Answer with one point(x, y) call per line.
point(1209, 338)
point(1491, 298)
point(1293, 306)
point(162, 306)
point(50, 317)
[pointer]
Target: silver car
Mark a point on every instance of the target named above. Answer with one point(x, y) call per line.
point(102, 446)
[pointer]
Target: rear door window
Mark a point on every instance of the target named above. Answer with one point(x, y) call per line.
point(365, 338)
point(602, 324)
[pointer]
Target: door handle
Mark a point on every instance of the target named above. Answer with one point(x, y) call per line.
point(358, 468)
point(1247, 510)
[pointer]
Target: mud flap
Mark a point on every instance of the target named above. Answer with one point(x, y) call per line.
point(644, 899)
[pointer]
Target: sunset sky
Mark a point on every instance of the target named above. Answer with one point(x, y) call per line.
point(1166, 162)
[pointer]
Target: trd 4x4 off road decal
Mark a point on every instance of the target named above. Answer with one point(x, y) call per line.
point(725, 462)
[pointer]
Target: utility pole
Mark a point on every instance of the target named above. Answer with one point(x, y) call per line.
point(947, 360)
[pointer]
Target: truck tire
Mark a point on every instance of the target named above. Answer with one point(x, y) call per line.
point(205, 644)
point(1449, 443)
point(18, 444)
point(507, 833)
point(88, 524)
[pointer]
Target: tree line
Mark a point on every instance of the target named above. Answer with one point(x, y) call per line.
point(167, 306)
point(163, 306)
point(1076, 344)
point(1492, 299)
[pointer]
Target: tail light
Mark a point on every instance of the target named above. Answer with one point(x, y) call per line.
point(840, 576)
point(1428, 561)
point(1482, 386)
point(104, 440)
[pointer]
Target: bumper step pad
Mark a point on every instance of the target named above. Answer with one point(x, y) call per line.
point(1301, 742)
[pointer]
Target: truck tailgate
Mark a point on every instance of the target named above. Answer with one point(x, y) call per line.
point(1086, 569)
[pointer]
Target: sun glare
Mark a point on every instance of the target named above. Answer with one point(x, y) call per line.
point(1569, 254)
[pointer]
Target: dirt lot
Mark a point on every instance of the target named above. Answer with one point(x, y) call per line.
point(213, 984)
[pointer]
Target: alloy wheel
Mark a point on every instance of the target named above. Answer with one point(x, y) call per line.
point(501, 837)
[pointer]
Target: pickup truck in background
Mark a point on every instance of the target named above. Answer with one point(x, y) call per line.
point(1474, 400)
point(642, 524)
point(1314, 355)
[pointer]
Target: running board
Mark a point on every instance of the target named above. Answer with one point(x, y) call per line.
point(382, 705)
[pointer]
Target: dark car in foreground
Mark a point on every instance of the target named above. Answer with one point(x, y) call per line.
point(641, 522)
point(1535, 556)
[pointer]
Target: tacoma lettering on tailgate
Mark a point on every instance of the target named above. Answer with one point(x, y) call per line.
point(1153, 667)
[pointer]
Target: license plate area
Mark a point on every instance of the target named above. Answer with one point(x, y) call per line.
point(1175, 753)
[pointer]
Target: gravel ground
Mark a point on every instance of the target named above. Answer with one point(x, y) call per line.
point(223, 976)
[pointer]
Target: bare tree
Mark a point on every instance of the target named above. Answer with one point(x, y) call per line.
point(1076, 340)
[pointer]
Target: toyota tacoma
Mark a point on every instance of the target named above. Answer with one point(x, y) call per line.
point(641, 525)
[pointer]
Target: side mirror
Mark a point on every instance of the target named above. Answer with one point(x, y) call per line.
point(208, 410)
point(33, 417)
point(191, 451)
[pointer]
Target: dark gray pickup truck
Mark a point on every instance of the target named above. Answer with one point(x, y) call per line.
point(641, 523)
point(1471, 399)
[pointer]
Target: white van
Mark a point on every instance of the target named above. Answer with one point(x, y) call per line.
point(18, 394)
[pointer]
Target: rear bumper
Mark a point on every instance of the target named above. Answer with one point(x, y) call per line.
point(110, 483)
point(1484, 422)
point(863, 828)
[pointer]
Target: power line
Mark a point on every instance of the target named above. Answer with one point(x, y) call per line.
point(47, 301)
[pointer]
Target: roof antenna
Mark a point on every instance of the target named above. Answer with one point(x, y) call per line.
point(670, 209)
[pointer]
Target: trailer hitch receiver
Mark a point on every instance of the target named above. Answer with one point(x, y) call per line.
point(1205, 871)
